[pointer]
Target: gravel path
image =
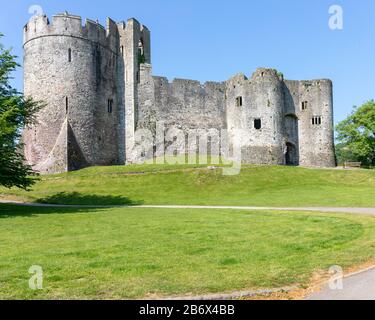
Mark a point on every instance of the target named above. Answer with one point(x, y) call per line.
point(368, 211)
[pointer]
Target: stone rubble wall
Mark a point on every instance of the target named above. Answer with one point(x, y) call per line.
point(77, 69)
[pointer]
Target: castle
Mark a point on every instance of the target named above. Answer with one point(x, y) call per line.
point(98, 86)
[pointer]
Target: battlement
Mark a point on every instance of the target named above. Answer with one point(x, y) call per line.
point(266, 73)
point(186, 83)
point(313, 82)
point(71, 26)
point(316, 82)
point(238, 78)
point(122, 25)
point(259, 76)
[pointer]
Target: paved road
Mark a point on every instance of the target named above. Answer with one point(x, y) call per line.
point(369, 211)
point(360, 286)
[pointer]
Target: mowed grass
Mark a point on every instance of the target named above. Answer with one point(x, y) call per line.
point(197, 185)
point(136, 253)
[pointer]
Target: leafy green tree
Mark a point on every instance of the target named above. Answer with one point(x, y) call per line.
point(16, 112)
point(344, 154)
point(356, 135)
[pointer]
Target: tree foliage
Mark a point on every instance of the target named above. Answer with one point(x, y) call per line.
point(356, 135)
point(16, 112)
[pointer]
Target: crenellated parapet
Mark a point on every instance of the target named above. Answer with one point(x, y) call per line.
point(266, 74)
point(71, 26)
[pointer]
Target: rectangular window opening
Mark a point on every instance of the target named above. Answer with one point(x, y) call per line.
point(70, 55)
point(258, 124)
point(317, 120)
point(66, 104)
point(239, 102)
point(110, 105)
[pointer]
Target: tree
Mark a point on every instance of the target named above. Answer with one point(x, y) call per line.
point(356, 134)
point(344, 154)
point(16, 113)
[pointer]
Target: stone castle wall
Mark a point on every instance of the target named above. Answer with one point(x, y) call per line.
point(316, 141)
point(99, 89)
point(185, 104)
point(262, 100)
point(73, 69)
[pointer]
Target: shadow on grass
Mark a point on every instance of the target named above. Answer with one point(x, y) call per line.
point(8, 211)
point(76, 198)
point(64, 198)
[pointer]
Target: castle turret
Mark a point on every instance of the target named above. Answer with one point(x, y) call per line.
point(135, 51)
point(255, 110)
point(73, 69)
point(315, 113)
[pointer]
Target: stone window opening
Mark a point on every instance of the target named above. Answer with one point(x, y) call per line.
point(304, 105)
point(110, 105)
point(140, 46)
point(112, 60)
point(258, 124)
point(66, 104)
point(122, 51)
point(70, 55)
point(317, 121)
point(239, 101)
point(141, 52)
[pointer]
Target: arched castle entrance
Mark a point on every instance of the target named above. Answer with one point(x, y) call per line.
point(291, 155)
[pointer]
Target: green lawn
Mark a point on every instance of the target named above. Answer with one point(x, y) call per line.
point(187, 185)
point(137, 253)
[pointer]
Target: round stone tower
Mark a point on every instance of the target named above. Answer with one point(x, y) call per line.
point(72, 68)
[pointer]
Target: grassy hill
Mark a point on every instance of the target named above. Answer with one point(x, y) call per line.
point(194, 185)
point(109, 253)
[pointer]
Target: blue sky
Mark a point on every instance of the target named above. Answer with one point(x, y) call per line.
point(213, 40)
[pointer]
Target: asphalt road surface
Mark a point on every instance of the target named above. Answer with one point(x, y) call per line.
point(360, 286)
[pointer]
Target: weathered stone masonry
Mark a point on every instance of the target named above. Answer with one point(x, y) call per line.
point(99, 89)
